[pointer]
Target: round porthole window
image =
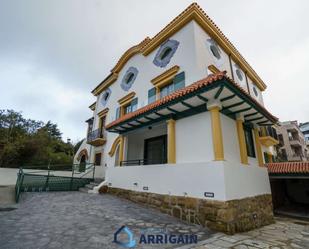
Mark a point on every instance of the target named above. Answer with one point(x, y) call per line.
point(129, 78)
point(255, 91)
point(105, 96)
point(215, 51)
point(165, 53)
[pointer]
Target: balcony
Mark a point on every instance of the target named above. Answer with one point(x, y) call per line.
point(96, 137)
point(295, 142)
point(268, 136)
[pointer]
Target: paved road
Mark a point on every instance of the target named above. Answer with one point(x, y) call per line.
point(78, 220)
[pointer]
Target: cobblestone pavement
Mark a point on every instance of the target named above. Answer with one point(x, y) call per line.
point(285, 233)
point(78, 220)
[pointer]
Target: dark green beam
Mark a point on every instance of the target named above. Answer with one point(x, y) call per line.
point(219, 91)
point(234, 105)
point(241, 110)
point(202, 98)
point(228, 98)
point(172, 110)
point(187, 105)
point(254, 119)
point(251, 114)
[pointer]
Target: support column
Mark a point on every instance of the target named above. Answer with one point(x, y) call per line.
point(270, 157)
point(242, 140)
point(258, 147)
point(217, 138)
point(171, 141)
point(121, 148)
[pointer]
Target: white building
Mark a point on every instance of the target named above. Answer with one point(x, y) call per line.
point(180, 125)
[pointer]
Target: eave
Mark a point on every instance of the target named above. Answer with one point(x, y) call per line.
point(268, 141)
point(193, 100)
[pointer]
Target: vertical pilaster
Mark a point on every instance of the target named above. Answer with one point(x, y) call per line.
point(121, 149)
point(258, 147)
point(171, 141)
point(242, 141)
point(217, 138)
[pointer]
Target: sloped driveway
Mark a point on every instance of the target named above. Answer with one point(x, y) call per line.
point(78, 220)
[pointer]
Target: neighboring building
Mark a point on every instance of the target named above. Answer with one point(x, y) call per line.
point(177, 124)
point(304, 127)
point(292, 145)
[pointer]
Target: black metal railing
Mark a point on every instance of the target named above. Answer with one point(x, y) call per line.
point(136, 162)
point(98, 133)
point(269, 131)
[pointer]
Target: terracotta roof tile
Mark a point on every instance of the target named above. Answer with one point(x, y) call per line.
point(288, 167)
point(184, 91)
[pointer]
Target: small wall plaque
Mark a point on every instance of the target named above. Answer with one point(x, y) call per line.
point(145, 188)
point(209, 194)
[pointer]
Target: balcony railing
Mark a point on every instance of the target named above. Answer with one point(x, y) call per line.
point(268, 136)
point(136, 162)
point(96, 137)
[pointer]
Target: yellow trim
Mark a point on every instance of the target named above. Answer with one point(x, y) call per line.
point(270, 157)
point(114, 146)
point(242, 141)
point(213, 69)
point(268, 141)
point(217, 133)
point(194, 12)
point(103, 112)
point(258, 147)
point(171, 141)
point(121, 148)
point(92, 106)
point(166, 77)
point(105, 84)
point(126, 99)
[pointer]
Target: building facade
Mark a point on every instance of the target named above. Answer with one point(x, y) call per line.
point(180, 124)
point(304, 127)
point(292, 144)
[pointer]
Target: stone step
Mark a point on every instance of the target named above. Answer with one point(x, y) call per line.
point(90, 186)
point(7, 195)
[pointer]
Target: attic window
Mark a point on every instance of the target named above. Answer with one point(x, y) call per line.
point(215, 52)
point(129, 78)
point(105, 96)
point(255, 91)
point(239, 74)
point(165, 53)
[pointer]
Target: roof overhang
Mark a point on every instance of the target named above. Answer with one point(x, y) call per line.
point(192, 100)
point(285, 170)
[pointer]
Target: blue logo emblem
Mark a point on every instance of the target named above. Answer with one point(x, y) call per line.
point(124, 230)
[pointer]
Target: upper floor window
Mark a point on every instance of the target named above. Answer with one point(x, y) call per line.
point(127, 108)
point(255, 91)
point(129, 78)
point(165, 53)
point(215, 51)
point(105, 96)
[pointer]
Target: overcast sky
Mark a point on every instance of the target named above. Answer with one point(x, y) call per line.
point(54, 52)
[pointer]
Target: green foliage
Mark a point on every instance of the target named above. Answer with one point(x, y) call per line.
point(29, 142)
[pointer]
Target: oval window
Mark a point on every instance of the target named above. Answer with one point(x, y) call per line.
point(215, 51)
point(129, 77)
point(106, 95)
point(166, 52)
point(255, 91)
point(239, 74)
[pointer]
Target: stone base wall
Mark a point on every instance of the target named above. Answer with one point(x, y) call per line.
point(229, 217)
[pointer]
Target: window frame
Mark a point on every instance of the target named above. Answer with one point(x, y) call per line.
point(250, 145)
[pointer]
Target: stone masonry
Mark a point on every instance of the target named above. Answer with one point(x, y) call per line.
point(229, 217)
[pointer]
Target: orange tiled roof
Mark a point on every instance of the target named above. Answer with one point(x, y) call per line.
point(184, 91)
point(288, 167)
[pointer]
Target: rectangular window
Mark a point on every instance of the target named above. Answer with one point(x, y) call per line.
point(131, 107)
point(177, 83)
point(249, 141)
point(152, 95)
point(118, 113)
point(97, 160)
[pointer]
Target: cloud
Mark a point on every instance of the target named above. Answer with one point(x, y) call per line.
point(54, 52)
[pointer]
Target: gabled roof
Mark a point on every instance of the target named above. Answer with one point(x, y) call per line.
point(194, 90)
point(288, 168)
point(193, 12)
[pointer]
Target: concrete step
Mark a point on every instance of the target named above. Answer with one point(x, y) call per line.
point(90, 186)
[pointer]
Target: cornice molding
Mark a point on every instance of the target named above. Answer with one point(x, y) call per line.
point(124, 100)
point(105, 84)
point(103, 112)
point(165, 77)
point(92, 106)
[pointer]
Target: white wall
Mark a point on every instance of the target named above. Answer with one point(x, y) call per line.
point(227, 181)
point(194, 139)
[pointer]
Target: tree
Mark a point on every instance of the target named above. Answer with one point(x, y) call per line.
point(30, 142)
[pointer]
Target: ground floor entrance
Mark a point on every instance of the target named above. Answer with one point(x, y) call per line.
point(155, 150)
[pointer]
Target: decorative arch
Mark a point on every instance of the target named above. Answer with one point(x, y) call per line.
point(114, 146)
point(83, 152)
